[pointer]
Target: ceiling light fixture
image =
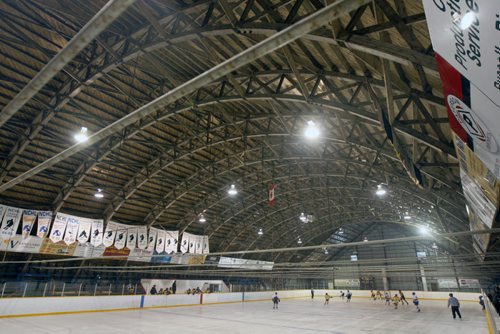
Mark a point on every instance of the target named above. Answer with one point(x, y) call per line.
point(99, 194)
point(260, 232)
point(312, 131)
point(424, 230)
point(434, 246)
point(82, 135)
point(303, 217)
point(365, 239)
point(201, 218)
point(299, 241)
point(232, 190)
point(381, 191)
point(407, 216)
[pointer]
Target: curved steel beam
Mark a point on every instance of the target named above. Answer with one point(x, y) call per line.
point(104, 64)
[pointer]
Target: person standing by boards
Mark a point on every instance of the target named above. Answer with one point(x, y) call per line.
point(455, 306)
point(312, 293)
point(276, 301)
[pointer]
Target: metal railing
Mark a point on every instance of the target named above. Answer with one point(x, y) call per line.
point(61, 289)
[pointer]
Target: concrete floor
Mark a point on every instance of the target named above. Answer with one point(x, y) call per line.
point(294, 316)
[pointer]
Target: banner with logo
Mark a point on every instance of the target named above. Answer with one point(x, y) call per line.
point(160, 241)
point(153, 232)
point(2, 211)
point(199, 244)
point(58, 228)
point(84, 229)
point(72, 225)
point(171, 242)
point(119, 254)
point(19, 244)
point(192, 243)
point(87, 250)
point(206, 245)
point(10, 222)
point(109, 235)
point(96, 237)
point(142, 237)
point(121, 236)
point(271, 198)
point(44, 219)
point(140, 255)
point(131, 237)
point(231, 262)
point(185, 242)
point(468, 60)
point(29, 217)
point(57, 248)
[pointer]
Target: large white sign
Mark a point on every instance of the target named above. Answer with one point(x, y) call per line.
point(466, 37)
point(231, 262)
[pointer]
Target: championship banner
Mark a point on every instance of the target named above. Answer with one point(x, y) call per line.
point(18, 244)
point(109, 235)
point(192, 243)
point(206, 245)
point(198, 249)
point(121, 236)
point(2, 211)
point(72, 225)
point(466, 38)
point(142, 237)
point(171, 242)
point(58, 228)
point(270, 196)
point(29, 217)
point(153, 232)
point(44, 219)
point(84, 230)
point(131, 238)
point(97, 232)
point(160, 242)
point(185, 242)
point(10, 222)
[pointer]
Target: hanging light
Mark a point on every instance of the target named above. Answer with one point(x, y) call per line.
point(232, 190)
point(326, 251)
point(424, 230)
point(299, 241)
point(365, 239)
point(312, 131)
point(99, 194)
point(82, 135)
point(260, 232)
point(303, 217)
point(407, 216)
point(434, 246)
point(340, 231)
point(381, 191)
point(201, 218)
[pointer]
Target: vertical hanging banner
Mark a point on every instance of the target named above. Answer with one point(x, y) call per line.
point(121, 236)
point(271, 199)
point(198, 249)
point(109, 234)
point(44, 219)
point(153, 232)
point(97, 231)
point(84, 230)
point(171, 242)
point(72, 225)
point(160, 242)
point(29, 217)
point(466, 38)
point(2, 211)
point(206, 245)
point(142, 237)
point(192, 243)
point(131, 238)
point(58, 228)
point(185, 242)
point(10, 222)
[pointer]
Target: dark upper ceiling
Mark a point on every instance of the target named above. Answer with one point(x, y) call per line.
point(244, 129)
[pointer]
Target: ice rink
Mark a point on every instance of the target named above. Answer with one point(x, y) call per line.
point(294, 316)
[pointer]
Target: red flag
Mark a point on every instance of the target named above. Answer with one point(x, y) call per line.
point(271, 198)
